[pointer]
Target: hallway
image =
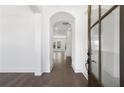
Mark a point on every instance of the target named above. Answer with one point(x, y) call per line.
point(62, 75)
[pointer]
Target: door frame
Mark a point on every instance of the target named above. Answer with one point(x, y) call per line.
point(121, 45)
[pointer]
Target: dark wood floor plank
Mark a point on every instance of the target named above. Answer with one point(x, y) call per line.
point(62, 75)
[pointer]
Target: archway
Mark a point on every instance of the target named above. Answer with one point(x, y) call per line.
point(61, 29)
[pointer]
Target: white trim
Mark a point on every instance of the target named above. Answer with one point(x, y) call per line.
point(38, 73)
point(16, 71)
point(85, 75)
point(80, 71)
point(73, 67)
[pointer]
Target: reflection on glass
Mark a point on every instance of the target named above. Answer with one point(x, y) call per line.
point(105, 8)
point(110, 50)
point(94, 14)
point(95, 51)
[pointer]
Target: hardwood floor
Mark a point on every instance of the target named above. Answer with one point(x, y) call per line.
point(93, 81)
point(62, 75)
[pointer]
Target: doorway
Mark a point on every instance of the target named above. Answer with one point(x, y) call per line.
point(61, 27)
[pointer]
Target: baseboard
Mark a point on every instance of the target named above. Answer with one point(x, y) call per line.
point(46, 70)
point(85, 75)
point(51, 67)
point(38, 73)
point(73, 67)
point(16, 71)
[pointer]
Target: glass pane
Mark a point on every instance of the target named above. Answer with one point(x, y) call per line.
point(110, 49)
point(95, 51)
point(59, 44)
point(105, 8)
point(94, 14)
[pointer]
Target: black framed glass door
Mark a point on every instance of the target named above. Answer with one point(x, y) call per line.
point(103, 51)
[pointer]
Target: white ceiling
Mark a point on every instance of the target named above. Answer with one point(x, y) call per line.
point(35, 8)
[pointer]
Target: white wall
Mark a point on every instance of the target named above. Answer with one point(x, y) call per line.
point(38, 43)
point(25, 38)
point(69, 44)
point(80, 36)
point(19, 40)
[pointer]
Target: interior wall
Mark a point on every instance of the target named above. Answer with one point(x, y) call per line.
point(79, 55)
point(69, 44)
point(18, 40)
point(23, 34)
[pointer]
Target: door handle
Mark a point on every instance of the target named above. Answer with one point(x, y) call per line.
point(86, 64)
point(93, 61)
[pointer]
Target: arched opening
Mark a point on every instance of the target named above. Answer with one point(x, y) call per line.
point(61, 29)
